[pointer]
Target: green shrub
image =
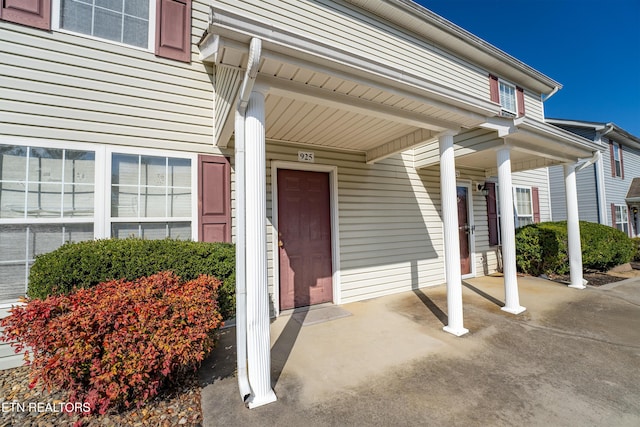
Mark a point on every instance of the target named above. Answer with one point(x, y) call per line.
point(636, 243)
point(116, 344)
point(542, 248)
point(85, 264)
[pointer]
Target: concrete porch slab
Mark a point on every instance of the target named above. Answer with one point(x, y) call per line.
point(571, 359)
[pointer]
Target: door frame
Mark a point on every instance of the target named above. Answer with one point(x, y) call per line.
point(333, 210)
point(472, 236)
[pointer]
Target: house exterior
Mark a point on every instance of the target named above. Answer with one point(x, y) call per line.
point(613, 181)
point(351, 149)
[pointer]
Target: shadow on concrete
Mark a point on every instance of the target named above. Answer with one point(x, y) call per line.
point(221, 363)
point(441, 315)
point(281, 349)
point(483, 294)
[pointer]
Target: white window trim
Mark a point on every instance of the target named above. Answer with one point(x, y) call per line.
point(616, 150)
point(623, 208)
point(108, 220)
point(515, 97)
point(55, 26)
point(517, 215)
point(101, 218)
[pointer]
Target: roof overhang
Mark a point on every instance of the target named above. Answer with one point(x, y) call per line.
point(608, 129)
point(457, 40)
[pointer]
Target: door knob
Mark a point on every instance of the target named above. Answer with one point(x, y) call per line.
point(280, 244)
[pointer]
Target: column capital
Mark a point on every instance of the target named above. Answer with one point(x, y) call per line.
point(449, 132)
point(260, 87)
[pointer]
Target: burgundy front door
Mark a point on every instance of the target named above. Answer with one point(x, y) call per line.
point(464, 229)
point(304, 238)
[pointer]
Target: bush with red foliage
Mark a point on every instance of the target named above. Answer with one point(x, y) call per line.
point(116, 344)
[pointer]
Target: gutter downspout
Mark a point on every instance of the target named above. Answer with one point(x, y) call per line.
point(255, 49)
point(553, 92)
point(601, 194)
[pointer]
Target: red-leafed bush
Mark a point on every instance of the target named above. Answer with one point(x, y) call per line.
point(116, 344)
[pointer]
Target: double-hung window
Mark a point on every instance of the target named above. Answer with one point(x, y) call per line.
point(616, 160)
point(46, 199)
point(129, 22)
point(524, 206)
point(151, 196)
point(508, 97)
point(621, 218)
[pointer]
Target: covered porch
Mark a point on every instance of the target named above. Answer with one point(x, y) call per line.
point(298, 94)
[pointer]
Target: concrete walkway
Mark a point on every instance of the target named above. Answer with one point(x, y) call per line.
point(572, 359)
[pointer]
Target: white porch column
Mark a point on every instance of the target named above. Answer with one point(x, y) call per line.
point(451, 236)
point(573, 228)
point(508, 233)
point(258, 339)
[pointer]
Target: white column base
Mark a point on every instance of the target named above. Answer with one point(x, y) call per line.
point(514, 310)
point(455, 331)
point(584, 285)
point(254, 402)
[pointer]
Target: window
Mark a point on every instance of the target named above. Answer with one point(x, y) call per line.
point(621, 218)
point(123, 21)
point(46, 199)
point(616, 160)
point(508, 98)
point(151, 197)
point(524, 206)
point(50, 195)
point(162, 26)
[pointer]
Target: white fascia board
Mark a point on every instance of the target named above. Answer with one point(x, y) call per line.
point(398, 145)
point(559, 135)
point(279, 41)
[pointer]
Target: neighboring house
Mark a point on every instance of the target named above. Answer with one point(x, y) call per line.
point(351, 149)
point(608, 189)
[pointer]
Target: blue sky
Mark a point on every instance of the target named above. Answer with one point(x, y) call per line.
point(592, 47)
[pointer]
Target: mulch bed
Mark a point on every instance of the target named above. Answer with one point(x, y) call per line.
point(178, 406)
point(594, 279)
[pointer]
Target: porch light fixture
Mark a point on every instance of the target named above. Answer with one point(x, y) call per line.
point(483, 189)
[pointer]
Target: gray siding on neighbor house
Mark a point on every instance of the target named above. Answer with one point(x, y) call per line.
point(616, 188)
point(587, 194)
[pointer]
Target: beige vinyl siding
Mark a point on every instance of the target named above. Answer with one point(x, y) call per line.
point(533, 106)
point(385, 246)
point(616, 188)
point(465, 143)
point(8, 357)
point(536, 178)
point(90, 90)
point(359, 34)
point(391, 237)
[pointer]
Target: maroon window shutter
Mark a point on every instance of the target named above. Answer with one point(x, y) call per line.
point(613, 215)
point(32, 13)
point(173, 29)
point(520, 101)
point(621, 163)
point(535, 196)
point(214, 199)
point(493, 88)
point(613, 160)
point(492, 213)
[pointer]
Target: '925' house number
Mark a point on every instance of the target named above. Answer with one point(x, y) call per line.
point(305, 156)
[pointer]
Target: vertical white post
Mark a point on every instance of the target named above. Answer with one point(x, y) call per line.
point(573, 228)
point(508, 233)
point(451, 236)
point(241, 284)
point(258, 339)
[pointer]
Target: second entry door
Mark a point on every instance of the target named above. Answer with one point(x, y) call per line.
point(304, 238)
point(464, 229)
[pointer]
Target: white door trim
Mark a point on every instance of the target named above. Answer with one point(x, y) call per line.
point(472, 234)
point(335, 240)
